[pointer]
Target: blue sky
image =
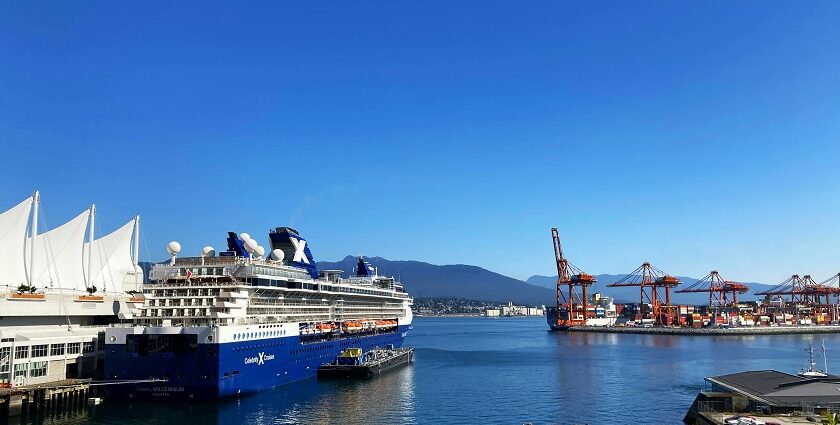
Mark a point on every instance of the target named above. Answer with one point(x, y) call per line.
point(693, 135)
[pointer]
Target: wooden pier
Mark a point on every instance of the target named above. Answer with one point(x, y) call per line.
point(66, 395)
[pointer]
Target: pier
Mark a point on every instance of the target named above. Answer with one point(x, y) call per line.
point(63, 396)
point(57, 397)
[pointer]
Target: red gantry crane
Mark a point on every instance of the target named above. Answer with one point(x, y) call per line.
point(570, 276)
point(817, 294)
point(722, 293)
point(647, 276)
point(832, 284)
point(792, 286)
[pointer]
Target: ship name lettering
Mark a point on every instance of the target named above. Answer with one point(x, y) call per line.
point(259, 359)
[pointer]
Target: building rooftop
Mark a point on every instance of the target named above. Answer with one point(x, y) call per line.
point(780, 389)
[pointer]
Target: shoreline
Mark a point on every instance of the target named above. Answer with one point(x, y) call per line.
point(792, 330)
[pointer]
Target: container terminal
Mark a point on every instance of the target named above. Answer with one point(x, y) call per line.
point(795, 305)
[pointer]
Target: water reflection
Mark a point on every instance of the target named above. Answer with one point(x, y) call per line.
point(388, 398)
point(499, 371)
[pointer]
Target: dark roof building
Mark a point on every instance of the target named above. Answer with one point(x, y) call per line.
point(766, 392)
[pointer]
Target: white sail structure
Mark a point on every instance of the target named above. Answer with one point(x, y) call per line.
point(111, 258)
point(56, 310)
point(13, 224)
point(59, 255)
point(64, 258)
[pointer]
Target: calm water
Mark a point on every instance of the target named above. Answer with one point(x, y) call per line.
point(507, 371)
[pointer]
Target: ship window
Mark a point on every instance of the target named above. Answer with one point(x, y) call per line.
point(87, 347)
point(163, 344)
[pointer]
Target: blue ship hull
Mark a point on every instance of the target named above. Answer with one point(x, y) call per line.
point(210, 371)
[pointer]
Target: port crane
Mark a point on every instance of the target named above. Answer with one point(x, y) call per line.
point(832, 284)
point(791, 286)
point(816, 293)
point(570, 276)
point(649, 279)
point(722, 293)
point(808, 296)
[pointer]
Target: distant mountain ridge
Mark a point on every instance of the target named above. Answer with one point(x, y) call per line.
point(451, 281)
point(425, 280)
point(631, 294)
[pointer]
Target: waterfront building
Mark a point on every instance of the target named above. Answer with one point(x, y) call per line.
point(766, 393)
point(59, 290)
point(519, 310)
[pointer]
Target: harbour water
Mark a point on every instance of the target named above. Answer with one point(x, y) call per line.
point(507, 371)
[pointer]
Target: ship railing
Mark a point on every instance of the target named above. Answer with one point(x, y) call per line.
point(187, 284)
point(259, 320)
point(207, 261)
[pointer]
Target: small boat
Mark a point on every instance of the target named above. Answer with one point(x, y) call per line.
point(812, 371)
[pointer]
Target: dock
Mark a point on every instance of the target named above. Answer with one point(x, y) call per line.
point(65, 395)
point(353, 364)
point(749, 330)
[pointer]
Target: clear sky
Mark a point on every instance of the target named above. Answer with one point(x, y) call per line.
point(695, 135)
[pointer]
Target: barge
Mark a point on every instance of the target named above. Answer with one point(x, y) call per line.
point(353, 363)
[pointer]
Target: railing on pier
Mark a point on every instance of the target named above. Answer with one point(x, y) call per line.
point(705, 408)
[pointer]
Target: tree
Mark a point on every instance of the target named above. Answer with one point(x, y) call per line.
point(24, 288)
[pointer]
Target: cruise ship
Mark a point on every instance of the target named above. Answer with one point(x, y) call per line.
point(59, 289)
point(238, 322)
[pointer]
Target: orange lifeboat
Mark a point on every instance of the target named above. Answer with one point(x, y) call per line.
point(325, 327)
point(352, 326)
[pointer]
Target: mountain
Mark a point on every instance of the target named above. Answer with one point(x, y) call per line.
point(631, 294)
point(423, 280)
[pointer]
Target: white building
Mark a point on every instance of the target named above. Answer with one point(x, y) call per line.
point(518, 310)
point(51, 319)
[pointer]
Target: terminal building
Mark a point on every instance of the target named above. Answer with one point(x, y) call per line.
point(59, 290)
